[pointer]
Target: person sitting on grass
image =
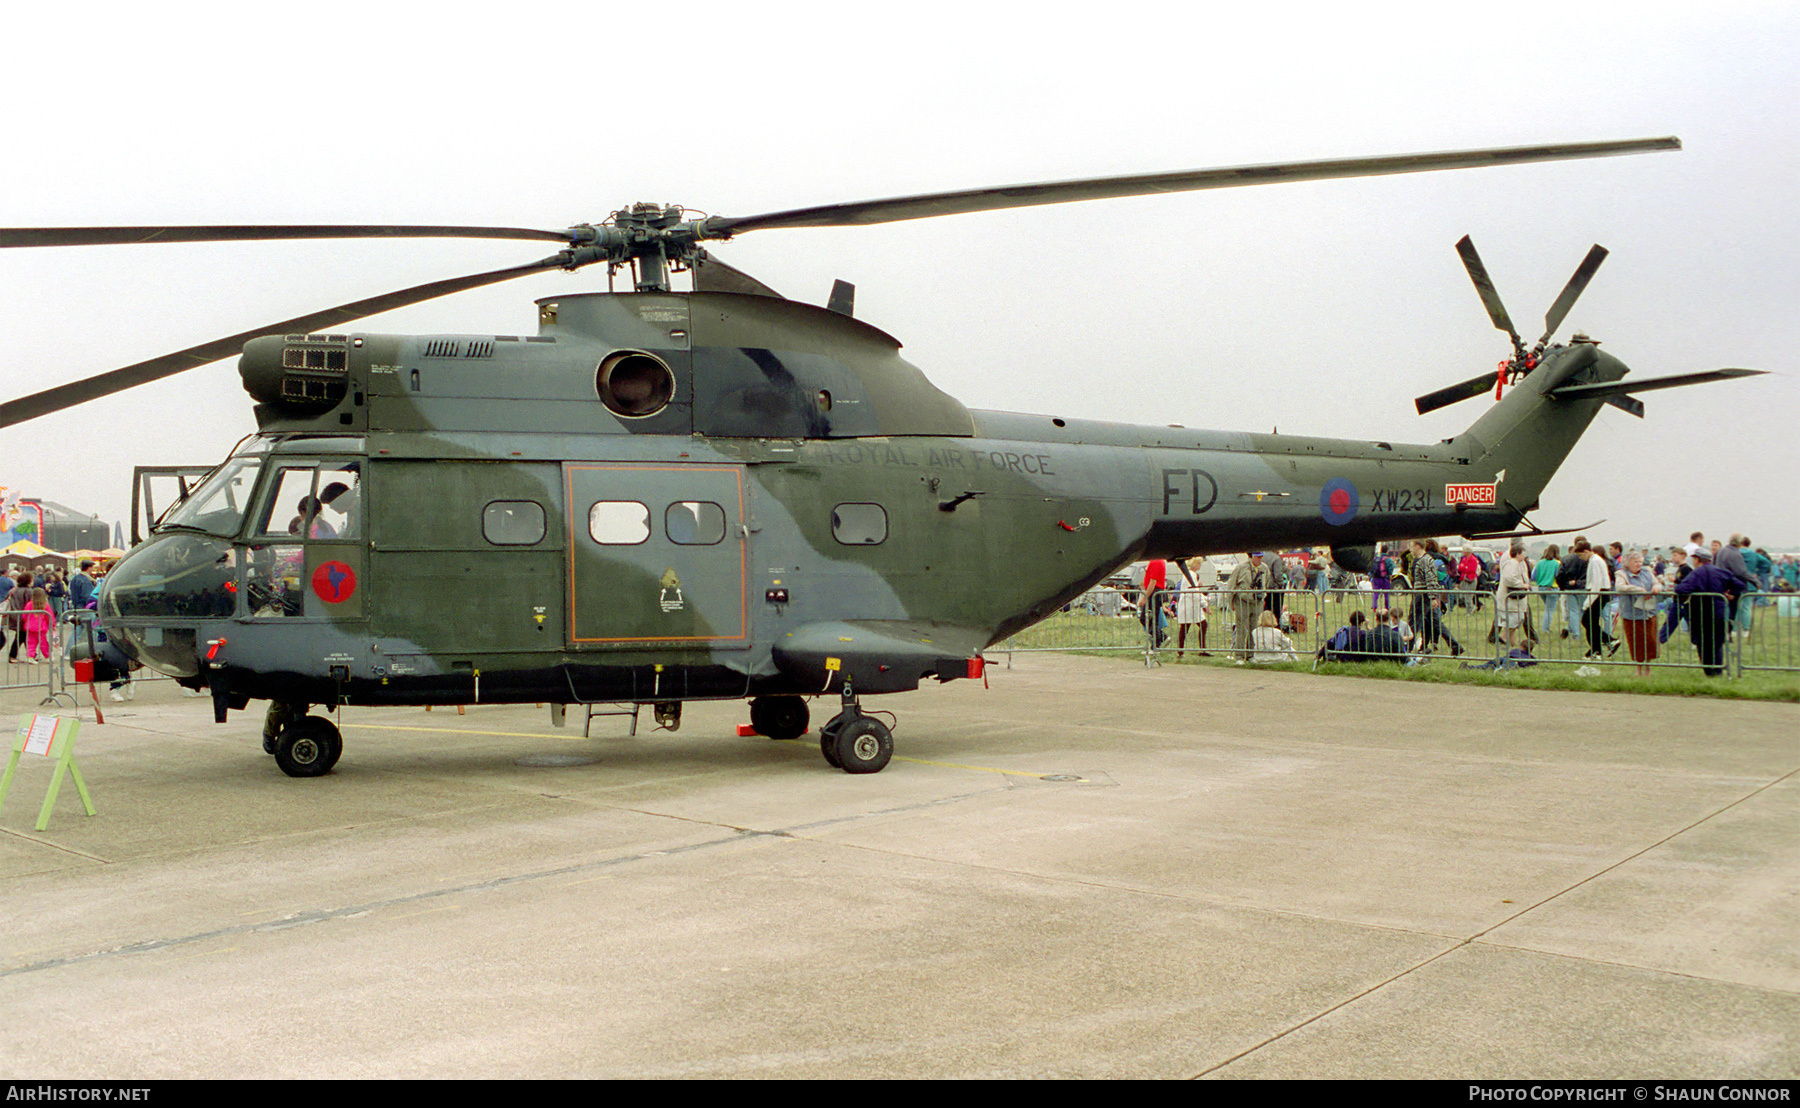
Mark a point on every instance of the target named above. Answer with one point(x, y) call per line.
point(1267, 643)
point(1391, 640)
point(1349, 644)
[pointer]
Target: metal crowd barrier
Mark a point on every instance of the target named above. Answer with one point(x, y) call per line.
point(1103, 619)
point(20, 671)
point(1769, 635)
point(1454, 624)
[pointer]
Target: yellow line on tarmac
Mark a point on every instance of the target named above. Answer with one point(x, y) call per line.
point(207, 953)
point(586, 880)
point(983, 769)
point(540, 735)
point(421, 912)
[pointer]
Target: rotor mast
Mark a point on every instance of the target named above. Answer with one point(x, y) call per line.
point(653, 239)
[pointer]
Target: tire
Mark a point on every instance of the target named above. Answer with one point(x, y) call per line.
point(779, 717)
point(863, 745)
point(308, 747)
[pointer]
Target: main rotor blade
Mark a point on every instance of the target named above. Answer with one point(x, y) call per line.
point(1445, 397)
point(1484, 285)
point(1103, 188)
point(1572, 291)
point(115, 236)
point(118, 380)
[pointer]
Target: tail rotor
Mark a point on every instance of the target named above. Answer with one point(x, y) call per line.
point(1523, 361)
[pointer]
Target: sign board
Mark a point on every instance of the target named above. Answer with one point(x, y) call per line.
point(48, 737)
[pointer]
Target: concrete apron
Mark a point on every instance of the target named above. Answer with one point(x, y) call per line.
point(1088, 869)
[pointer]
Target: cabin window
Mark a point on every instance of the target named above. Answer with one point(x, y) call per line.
point(619, 523)
point(694, 523)
point(859, 524)
point(513, 523)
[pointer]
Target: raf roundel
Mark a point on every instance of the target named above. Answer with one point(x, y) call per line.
point(334, 582)
point(1339, 501)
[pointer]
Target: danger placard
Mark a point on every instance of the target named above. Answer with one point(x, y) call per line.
point(1476, 496)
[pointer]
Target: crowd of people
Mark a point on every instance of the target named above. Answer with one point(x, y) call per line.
point(1607, 598)
point(32, 603)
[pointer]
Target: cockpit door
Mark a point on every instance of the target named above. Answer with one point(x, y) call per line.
point(307, 549)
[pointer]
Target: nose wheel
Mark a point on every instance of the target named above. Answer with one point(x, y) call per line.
point(308, 747)
point(853, 742)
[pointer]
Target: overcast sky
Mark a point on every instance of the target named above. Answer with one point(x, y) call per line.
point(1319, 308)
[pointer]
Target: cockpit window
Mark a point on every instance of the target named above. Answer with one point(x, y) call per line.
point(314, 501)
point(217, 507)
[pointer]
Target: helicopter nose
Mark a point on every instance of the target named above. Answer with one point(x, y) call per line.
point(154, 600)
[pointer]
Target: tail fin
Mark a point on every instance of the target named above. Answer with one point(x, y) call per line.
point(1522, 440)
point(1526, 435)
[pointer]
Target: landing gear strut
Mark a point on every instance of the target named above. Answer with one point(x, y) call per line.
point(280, 714)
point(853, 742)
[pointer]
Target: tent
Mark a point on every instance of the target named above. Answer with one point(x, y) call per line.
point(26, 553)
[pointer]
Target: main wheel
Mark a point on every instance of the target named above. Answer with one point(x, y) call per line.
point(863, 745)
point(308, 747)
point(779, 717)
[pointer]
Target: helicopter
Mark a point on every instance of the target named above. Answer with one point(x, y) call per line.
point(725, 494)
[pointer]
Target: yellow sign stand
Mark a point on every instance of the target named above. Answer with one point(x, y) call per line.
point(50, 737)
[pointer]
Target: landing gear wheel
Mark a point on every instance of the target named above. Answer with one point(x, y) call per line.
point(308, 747)
point(280, 714)
point(862, 745)
point(779, 717)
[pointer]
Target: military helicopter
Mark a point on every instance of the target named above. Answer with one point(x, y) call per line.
point(668, 496)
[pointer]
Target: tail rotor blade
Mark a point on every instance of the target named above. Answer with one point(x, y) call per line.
point(1572, 291)
point(1444, 397)
point(1484, 285)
